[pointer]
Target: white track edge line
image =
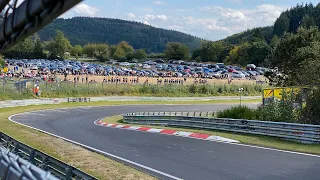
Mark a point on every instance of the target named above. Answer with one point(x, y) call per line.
point(99, 151)
point(246, 145)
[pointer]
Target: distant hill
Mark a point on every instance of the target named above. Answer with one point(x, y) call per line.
point(84, 30)
point(265, 33)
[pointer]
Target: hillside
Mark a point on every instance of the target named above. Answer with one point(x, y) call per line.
point(84, 30)
point(251, 35)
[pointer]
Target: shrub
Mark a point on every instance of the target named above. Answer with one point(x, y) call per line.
point(238, 112)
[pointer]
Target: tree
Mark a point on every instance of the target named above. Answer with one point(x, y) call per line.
point(176, 50)
point(38, 48)
point(119, 54)
point(297, 57)
point(196, 53)
point(274, 41)
point(58, 46)
point(126, 47)
point(89, 49)
point(77, 50)
point(282, 24)
point(112, 50)
point(140, 54)
point(102, 56)
point(307, 21)
point(213, 51)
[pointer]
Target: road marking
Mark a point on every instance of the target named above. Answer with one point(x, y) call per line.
point(99, 151)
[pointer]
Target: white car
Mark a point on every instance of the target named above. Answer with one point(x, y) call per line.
point(34, 67)
point(124, 64)
point(146, 66)
point(238, 75)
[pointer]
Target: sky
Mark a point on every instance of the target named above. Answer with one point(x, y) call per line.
point(208, 19)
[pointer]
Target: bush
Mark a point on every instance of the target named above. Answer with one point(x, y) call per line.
point(311, 111)
point(238, 112)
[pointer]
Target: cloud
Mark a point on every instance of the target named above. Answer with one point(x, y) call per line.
point(158, 2)
point(237, 20)
point(150, 17)
point(146, 23)
point(85, 10)
point(131, 15)
point(82, 9)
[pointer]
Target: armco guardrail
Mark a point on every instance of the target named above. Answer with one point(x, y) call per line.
point(303, 133)
point(13, 167)
point(57, 168)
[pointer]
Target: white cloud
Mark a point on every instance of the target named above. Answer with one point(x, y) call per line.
point(146, 23)
point(150, 17)
point(131, 15)
point(82, 9)
point(158, 2)
point(236, 20)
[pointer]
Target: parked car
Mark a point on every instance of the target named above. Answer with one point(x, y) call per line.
point(238, 74)
point(146, 66)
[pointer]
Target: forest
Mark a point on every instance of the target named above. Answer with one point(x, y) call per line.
point(86, 30)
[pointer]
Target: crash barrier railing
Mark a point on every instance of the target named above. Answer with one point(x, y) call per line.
point(21, 18)
point(57, 168)
point(13, 167)
point(304, 133)
point(79, 99)
point(189, 114)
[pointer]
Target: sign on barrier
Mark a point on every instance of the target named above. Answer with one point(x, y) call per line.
point(80, 99)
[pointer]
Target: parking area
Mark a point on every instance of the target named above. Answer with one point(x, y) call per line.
point(147, 72)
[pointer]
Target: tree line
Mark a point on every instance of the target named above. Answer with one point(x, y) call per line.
point(59, 47)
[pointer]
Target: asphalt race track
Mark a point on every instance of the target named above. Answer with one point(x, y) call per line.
point(179, 157)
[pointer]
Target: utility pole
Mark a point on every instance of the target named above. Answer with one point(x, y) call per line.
point(240, 91)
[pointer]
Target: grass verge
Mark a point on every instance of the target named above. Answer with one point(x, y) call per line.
point(93, 163)
point(257, 140)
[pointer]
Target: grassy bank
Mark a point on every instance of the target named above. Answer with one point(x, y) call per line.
point(56, 90)
point(93, 163)
point(243, 138)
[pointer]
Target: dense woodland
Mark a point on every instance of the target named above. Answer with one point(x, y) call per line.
point(85, 30)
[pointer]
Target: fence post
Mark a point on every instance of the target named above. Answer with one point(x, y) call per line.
point(3, 84)
point(212, 114)
point(194, 114)
point(207, 114)
point(20, 85)
point(200, 114)
point(188, 114)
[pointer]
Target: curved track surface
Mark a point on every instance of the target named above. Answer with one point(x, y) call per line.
point(180, 157)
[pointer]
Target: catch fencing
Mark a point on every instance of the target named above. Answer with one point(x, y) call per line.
point(13, 167)
point(303, 133)
point(37, 158)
